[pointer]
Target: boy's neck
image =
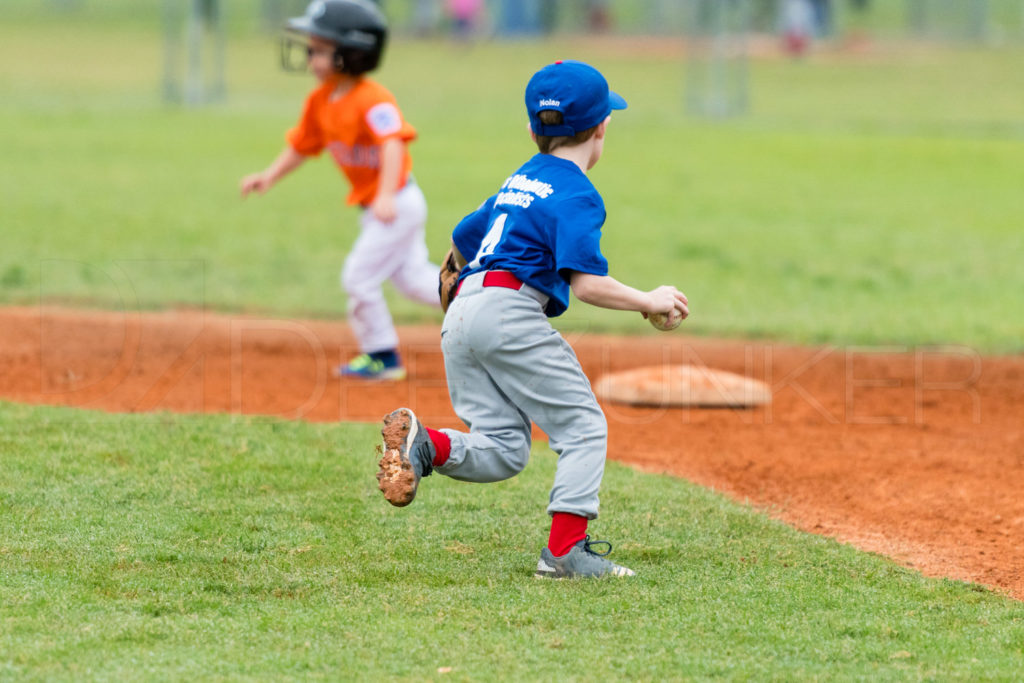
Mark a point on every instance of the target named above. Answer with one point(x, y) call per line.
point(577, 154)
point(342, 84)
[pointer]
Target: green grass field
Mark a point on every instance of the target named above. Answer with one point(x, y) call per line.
point(174, 547)
point(866, 199)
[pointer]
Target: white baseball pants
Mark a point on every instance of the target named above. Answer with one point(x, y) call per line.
point(395, 251)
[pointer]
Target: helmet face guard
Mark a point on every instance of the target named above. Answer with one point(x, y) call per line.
point(294, 53)
point(356, 27)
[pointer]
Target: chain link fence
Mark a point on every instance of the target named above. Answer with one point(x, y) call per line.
point(716, 33)
point(985, 21)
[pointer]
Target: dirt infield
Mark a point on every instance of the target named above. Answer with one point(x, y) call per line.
point(917, 453)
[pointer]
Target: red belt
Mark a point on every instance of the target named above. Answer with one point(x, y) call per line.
point(498, 278)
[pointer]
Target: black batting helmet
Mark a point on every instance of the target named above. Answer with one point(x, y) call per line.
point(357, 27)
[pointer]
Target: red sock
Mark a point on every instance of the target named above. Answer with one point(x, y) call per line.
point(567, 530)
point(442, 446)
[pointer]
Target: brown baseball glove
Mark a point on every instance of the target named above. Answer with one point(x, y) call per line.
point(448, 278)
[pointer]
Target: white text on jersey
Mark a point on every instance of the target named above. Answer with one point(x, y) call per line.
point(521, 191)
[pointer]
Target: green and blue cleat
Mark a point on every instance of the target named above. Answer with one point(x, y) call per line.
point(366, 367)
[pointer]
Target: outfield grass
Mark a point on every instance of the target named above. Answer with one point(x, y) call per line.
point(865, 199)
point(173, 547)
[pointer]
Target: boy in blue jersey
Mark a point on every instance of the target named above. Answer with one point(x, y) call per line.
point(527, 246)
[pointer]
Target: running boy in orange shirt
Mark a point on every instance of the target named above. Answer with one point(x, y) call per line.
point(358, 121)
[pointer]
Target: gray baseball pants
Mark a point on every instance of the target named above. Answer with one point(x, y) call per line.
point(506, 367)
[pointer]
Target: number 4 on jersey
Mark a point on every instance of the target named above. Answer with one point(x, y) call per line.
point(491, 239)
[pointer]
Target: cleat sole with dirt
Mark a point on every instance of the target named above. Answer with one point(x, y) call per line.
point(396, 478)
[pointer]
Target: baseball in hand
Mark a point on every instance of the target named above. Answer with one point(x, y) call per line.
point(665, 321)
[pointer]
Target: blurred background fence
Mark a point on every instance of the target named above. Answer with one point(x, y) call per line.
point(718, 34)
point(989, 21)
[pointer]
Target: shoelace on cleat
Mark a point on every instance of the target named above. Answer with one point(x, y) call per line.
point(587, 543)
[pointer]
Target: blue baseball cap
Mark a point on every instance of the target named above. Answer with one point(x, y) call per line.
point(577, 90)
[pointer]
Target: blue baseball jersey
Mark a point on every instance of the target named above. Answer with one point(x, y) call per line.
point(542, 225)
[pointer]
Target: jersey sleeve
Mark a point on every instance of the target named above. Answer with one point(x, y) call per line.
point(578, 237)
point(470, 231)
point(384, 120)
point(306, 137)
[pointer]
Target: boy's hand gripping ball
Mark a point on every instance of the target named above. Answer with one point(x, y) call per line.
point(665, 321)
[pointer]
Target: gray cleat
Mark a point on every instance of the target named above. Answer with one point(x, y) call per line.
point(582, 561)
point(407, 455)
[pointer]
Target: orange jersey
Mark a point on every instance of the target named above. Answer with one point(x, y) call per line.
point(352, 128)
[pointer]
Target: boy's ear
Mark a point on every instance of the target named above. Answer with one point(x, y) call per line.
point(602, 127)
point(529, 129)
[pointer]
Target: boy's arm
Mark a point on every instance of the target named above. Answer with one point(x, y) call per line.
point(286, 162)
point(607, 292)
point(392, 154)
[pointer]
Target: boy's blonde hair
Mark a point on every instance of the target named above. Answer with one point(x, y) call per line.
point(548, 144)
